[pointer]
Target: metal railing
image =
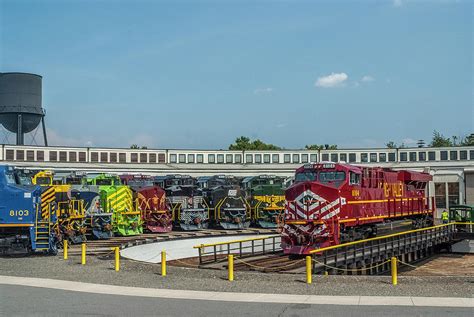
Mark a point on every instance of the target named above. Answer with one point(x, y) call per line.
point(410, 245)
point(214, 252)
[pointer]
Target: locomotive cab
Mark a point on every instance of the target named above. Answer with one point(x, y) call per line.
point(188, 208)
point(229, 209)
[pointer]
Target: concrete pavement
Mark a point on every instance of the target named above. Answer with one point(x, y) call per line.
point(239, 297)
point(18, 300)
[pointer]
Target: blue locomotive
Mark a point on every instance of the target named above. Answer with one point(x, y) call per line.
point(25, 227)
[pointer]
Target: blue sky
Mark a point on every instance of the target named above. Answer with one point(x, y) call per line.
point(197, 74)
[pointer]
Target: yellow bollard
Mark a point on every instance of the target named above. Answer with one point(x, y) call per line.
point(65, 246)
point(83, 254)
point(163, 263)
point(394, 270)
point(308, 269)
point(231, 267)
point(117, 259)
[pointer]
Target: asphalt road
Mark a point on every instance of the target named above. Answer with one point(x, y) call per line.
point(33, 301)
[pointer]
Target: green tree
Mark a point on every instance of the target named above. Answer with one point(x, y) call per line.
point(391, 145)
point(321, 147)
point(244, 143)
point(134, 146)
point(314, 147)
point(469, 140)
point(439, 140)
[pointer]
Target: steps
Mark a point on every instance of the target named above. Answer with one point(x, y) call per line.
point(42, 236)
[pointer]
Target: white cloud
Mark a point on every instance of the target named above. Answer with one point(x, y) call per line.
point(55, 138)
point(397, 3)
point(333, 80)
point(281, 125)
point(409, 141)
point(259, 91)
point(368, 78)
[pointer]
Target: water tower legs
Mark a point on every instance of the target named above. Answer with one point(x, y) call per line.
point(19, 132)
point(44, 132)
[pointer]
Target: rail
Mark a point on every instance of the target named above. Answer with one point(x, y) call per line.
point(213, 252)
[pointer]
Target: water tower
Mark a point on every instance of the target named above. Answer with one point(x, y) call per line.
point(20, 104)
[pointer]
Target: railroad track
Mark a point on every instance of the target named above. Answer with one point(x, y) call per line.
point(278, 262)
point(102, 247)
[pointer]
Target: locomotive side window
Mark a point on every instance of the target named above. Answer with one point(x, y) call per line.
point(354, 178)
point(10, 178)
point(335, 178)
point(43, 181)
point(307, 176)
point(103, 182)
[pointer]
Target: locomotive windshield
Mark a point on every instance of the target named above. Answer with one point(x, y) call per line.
point(103, 182)
point(335, 178)
point(306, 176)
point(43, 180)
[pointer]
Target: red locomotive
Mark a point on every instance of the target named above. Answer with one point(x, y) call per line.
point(331, 203)
point(150, 199)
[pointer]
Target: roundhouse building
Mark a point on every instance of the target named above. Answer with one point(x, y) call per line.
point(452, 167)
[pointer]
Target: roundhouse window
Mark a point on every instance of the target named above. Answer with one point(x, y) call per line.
point(296, 158)
point(412, 156)
point(173, 158)
point(422, 156)
point(463, 155)
point(10, 155)
point(62, 156)
point(238, 158)
point(343, 157)
point(72, 156)
point(40, 155)
point(122, 157)
point(275, 158)
point(30, 155)
point(287, 158)
point(364, 157)
point(104, 157)
point(82, 157)
point(352, 157)
point(200, 158)
point(211, 158)
point(143, 158)
point(229, 158)
point(94, 157)
point(20, 155)
point(248, 158)
point(391, 157)
point(182, 158)
point(325, 157)
point(220, 158)
point(304, 158)
point(53, 156)
point(334, 157)
point(453, 155)
point(190, 158)
point(382, 157)
point(266, 158)
point(444, 155)
point(152, 157)
point(431, 156)
point(258, 158)
point(113, 157)
point(373, 157)
point(161, 158)
point(403, 156)
point(313, 157)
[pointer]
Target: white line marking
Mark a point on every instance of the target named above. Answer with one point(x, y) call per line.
point(237, 297)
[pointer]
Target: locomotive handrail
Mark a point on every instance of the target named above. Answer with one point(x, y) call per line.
point(383, 237)
point(200, 246)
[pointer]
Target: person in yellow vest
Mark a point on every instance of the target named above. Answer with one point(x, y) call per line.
point(445, 216)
